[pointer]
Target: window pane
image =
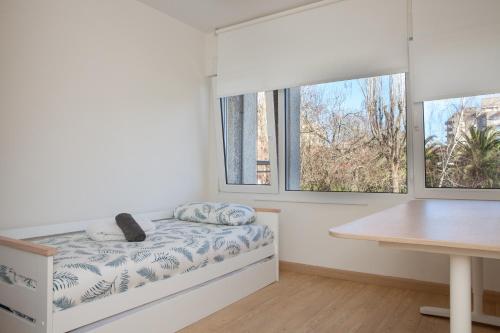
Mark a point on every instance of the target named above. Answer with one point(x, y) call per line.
point(462, 142)
point(246, 146)
point(347, 136)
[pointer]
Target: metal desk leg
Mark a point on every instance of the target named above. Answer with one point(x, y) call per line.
point(477, 291)
point(460, 298)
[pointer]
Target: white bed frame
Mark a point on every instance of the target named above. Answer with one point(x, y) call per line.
point(163, 306)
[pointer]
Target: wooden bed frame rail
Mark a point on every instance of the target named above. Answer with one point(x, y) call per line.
point(26, 273)
point(26, 246)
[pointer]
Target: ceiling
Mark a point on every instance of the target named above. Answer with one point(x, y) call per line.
point(207, 15)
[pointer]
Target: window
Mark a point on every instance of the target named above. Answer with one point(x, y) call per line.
point(248, 143)
point(462, 142)
point(347, 136)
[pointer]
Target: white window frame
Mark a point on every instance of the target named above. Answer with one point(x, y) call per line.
point(343, 198)
point(421, 191)
point(221, 163)
point(277, 190)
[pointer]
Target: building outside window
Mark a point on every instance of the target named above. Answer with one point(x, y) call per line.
point(462, 142)
point(246, 140)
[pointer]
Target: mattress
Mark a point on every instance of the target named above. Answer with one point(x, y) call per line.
point(86, 270)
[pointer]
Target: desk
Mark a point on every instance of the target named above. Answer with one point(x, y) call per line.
point(461, 229)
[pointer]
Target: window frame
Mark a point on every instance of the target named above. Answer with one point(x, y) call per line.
point(276, 192)
point(221, 162)
point(348, 194)
point(422, 192)
point(341, 198)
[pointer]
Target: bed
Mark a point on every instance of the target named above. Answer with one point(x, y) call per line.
point(60, 280)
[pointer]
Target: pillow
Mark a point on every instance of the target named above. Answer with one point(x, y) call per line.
point(215, 213)
point(108, 230)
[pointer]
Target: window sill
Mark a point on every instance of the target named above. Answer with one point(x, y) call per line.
point(458, 194)
point(334, 198)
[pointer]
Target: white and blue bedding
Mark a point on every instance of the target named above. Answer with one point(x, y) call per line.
point(86, 270)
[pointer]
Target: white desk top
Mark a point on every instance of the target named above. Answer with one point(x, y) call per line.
point(464, 224)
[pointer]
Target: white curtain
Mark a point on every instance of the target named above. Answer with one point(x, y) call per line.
point(455, 49)
point(331, 42)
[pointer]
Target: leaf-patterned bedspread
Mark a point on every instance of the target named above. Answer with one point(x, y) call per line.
point(86, 270)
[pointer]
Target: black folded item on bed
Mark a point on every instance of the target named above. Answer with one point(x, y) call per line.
point(130, 228)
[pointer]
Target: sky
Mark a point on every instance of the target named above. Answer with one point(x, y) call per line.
point(436, 113)
point(350, 88)
point(352, 93)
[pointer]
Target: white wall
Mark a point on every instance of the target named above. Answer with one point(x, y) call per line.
point(304, 239)
point(304, 234)
point(103, 108)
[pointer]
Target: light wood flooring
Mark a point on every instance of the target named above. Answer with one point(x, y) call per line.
point(309, 303)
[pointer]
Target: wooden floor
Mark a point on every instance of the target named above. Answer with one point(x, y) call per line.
point(307, 303)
